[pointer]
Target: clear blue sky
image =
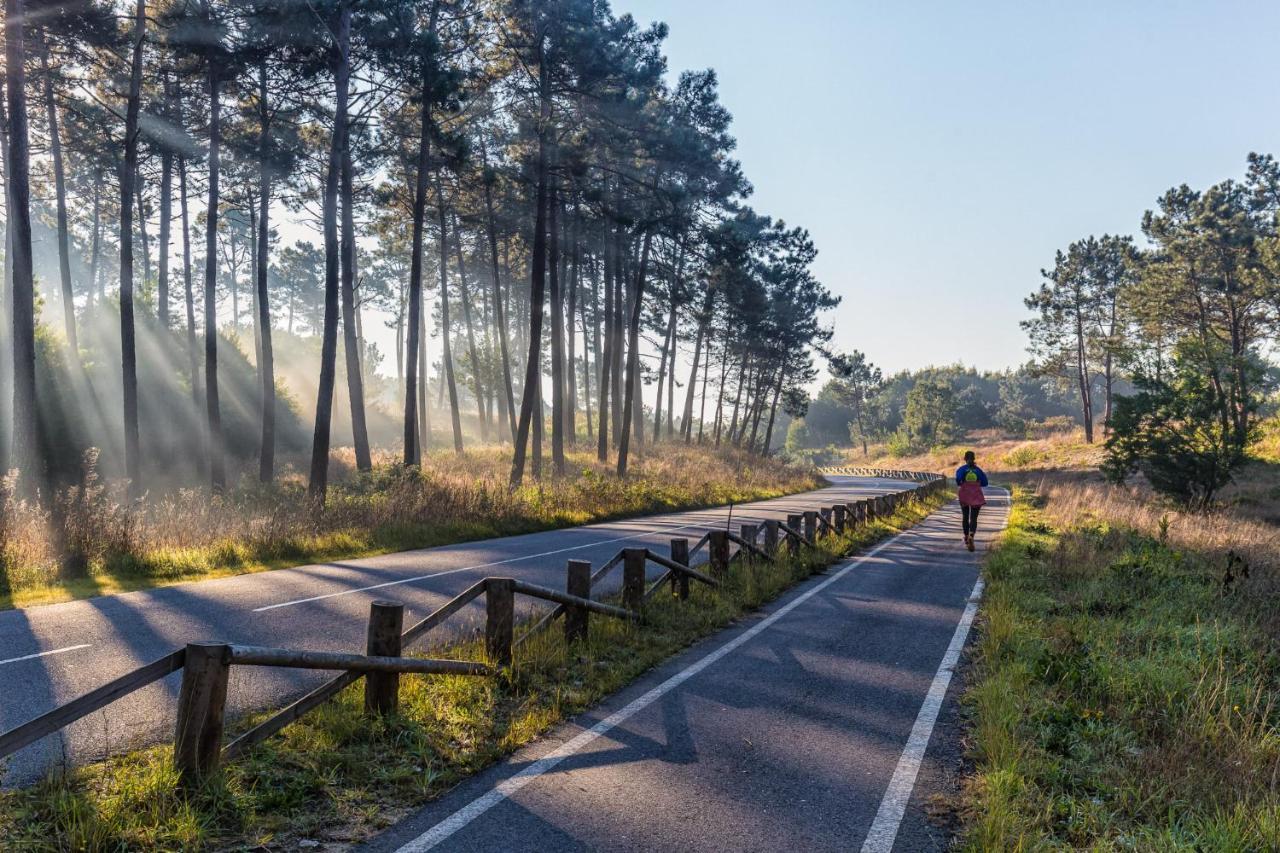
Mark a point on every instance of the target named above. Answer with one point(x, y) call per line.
point(940, 152)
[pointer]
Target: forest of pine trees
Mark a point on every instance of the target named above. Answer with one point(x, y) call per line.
point(207, 200)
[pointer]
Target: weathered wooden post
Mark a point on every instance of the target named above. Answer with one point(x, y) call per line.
point(748, 535)
point(679, 580)
point(382, 689)
point(633, 578)
point(842, 514)
point(811, 525)
point(871, 509)
point(202, 701)
point(825, 513)
point(771, 538)
point(793, 544)
point(577, 582)
point(500, 619)
point(718, 550)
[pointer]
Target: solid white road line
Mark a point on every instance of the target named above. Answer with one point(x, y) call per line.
point(473, 568)
point(488, 565)
point(507, 787)
point(45, 654)
point(884, 828)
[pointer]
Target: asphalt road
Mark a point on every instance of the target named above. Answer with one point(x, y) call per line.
point(797, 729)
point(52, 654)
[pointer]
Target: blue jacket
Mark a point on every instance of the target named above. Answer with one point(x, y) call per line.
point(964, 469)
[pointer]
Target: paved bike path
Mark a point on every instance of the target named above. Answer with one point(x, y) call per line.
point(781, 733)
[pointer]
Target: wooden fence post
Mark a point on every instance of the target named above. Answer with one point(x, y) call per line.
point(679, 580)
point(825, 513)
point(748, 535)
point(202, 702)
point(382, 689)
point(811, 525)
point(500, 619)
point(771, 537)
point(578, 582)
point(718, 551)
point(841, 512)
point(793, 544)
point(871, 509)
point(633, 560)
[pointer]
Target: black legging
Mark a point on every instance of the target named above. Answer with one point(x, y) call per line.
point(969, 517)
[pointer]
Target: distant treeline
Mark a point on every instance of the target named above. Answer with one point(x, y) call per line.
point(915, 409)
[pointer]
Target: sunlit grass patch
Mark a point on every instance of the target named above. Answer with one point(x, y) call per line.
point(336, 776)
point(94, 541)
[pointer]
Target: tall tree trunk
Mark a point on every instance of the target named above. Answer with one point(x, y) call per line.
point(6, 300)
point(604, 360)
point(773, 412)
point(413, 361)
point(632, 401)
point(702, 405)
point(668, 342)
point(143, 239)
point(266, 364)
point(319, 484)
point(27, 453)
point(557, 331)
point(499, 312)
point(166, 213)
point(724, 370)
point(193, 354)
point(217, 465)
point(128, 170)
point(447, 327)
point(537, 281)
point(1082, 375)
point(95, 250)
point(586, 366)
point(619, 308)
point(424, 419)
point(60, 195)
point(571, 385)
point(477, 385)
point(350, 338)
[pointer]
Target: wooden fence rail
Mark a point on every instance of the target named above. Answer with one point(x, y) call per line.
point(205, 666)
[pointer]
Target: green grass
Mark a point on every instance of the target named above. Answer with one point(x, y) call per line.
point(336, 776)
point(1120, 698)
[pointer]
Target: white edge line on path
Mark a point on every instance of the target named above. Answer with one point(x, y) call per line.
point(639, 535)
point(45, 654)
point(507, 787)
point(472, 568)
point(884, 827)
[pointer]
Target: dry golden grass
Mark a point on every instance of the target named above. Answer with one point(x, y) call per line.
point(93, 541)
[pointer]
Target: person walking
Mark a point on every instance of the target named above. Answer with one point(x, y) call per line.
point(971, 480)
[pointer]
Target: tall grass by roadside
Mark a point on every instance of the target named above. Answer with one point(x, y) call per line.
point(336, 777)
point(1125, 683)
point(92, 540)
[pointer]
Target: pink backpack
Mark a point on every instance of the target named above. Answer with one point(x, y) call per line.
point(970, 492)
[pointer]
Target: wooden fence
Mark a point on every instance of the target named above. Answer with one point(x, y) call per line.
point(205, 667)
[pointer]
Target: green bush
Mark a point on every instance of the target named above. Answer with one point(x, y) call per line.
point(1173, 433)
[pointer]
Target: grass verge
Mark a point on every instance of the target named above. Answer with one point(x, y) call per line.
point(1123, 693)
point(335, 776)
point(94, 541)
